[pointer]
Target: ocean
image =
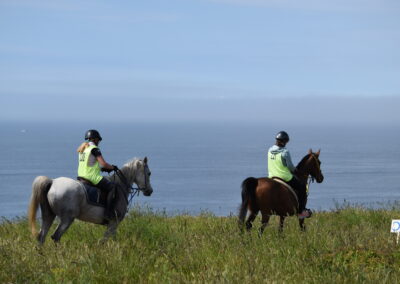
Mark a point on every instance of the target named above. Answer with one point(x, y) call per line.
point(199, 167)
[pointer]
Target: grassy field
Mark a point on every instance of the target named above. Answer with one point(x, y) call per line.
point(348, 245)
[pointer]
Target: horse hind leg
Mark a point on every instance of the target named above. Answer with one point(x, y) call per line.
point(47, 221)
point(264, 222)
point(250, 219)
point(62, 227)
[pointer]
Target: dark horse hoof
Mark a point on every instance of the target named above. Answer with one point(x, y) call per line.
point(248, 226)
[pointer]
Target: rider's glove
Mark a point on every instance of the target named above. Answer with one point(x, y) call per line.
point(115, 168)
point(106, 170)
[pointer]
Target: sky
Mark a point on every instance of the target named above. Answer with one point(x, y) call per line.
point(326, 61)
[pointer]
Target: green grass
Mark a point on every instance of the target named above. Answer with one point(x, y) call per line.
point(349, 245)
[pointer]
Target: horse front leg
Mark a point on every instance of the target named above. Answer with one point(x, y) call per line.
point(111, 230)
point(302, 225)
point(281, 222)
point(264, 223)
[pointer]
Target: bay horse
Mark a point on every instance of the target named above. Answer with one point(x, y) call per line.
point(274, 198)
point(66, 198)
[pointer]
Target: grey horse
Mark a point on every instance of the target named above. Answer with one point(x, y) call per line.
point(66, 198)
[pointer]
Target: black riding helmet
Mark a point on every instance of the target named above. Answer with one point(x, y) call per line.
point(92, 134)
point(282, 136)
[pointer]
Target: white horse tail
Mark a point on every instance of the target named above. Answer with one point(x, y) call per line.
point(40, 187)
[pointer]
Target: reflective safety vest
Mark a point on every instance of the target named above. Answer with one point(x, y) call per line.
point(276, 168)
point(86, 171)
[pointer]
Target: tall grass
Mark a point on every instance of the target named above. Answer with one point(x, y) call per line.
point(349, 245)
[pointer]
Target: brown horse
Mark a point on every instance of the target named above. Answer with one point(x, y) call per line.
point(273, 198)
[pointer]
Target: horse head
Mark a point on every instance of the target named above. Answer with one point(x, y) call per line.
point(142, 178)
point(315, 166)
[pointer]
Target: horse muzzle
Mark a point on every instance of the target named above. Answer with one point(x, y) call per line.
point(320, 178)
point(147, 192)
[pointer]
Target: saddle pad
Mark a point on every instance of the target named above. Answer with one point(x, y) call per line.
point(93, 195)
point(288, 186)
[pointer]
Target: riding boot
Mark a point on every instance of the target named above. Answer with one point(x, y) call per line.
point(302, 195)
point(301, 192)
point(109, 213)
point(303, 211)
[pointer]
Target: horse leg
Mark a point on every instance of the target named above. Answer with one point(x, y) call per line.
point(251, 218)
point(281, 221)
point(62, 227)
point(111, 230)
point(47, 220)
point(302, 225)
point(264, 222)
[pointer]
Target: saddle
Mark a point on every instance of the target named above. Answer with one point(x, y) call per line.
point(94, 195)
point(281, 181)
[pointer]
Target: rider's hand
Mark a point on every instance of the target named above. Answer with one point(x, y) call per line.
point(115, 168)
point(106, 170)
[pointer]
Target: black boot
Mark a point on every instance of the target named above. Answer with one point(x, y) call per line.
point(109, 212)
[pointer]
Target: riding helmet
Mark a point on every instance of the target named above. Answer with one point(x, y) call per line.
point(282, 135)
point(92, 134)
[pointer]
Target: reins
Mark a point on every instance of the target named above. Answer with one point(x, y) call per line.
point(129, 189)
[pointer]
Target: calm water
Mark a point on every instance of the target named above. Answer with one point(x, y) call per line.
point(200, 167)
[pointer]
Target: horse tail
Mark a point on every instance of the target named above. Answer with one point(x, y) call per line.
point(40, 188)
point(249, 186)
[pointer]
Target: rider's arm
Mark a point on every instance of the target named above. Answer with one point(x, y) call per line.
point(97, 153)
point(287, 161)
point(104, 164)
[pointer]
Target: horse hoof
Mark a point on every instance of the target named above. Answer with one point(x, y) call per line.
point(248, 226)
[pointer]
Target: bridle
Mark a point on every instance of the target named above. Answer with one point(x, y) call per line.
point(129, 189)
point(312, 178)
point(308, 177)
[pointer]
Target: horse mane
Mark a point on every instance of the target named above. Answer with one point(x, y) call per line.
point(303, 161)
point(129, 168)
point(131, 163)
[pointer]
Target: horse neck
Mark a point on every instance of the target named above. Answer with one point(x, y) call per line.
point(129, 172)
point(304, 169)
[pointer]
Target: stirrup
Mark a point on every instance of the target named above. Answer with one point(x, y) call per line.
point(307, 213)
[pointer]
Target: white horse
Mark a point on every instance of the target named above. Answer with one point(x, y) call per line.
point(66, 198)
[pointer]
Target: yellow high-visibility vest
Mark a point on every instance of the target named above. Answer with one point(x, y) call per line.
point(91, 173)
point(276, 168)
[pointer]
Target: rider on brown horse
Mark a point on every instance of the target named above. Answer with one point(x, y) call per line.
point(280, 165)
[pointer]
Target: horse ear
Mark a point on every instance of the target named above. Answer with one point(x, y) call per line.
point(318, 152)
point(145, 160)
point(310, 151)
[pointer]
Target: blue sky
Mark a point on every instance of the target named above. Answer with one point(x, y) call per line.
point(200, 60)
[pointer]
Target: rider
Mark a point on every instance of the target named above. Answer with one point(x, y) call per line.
point(280, 165)
point(91, 162)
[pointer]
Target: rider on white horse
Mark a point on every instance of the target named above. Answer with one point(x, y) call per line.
point(91, 163)
point(280, 165)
